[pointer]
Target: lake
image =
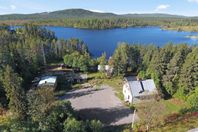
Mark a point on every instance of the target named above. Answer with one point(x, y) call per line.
point(100, 41)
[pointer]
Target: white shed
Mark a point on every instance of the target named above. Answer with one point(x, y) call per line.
point(106, 68)
point(48, 81)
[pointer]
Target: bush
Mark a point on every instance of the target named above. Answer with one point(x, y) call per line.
point(172, 118)
point(19, 126)
point(39, 102)
point(58, 113)
point(72, 125)
point(193, 100)
point(95, 126)
point(132, 107)
point(142, 75)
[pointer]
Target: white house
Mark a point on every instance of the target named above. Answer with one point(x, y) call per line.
point(105, 68)
point(48, 81)
point(137, 90)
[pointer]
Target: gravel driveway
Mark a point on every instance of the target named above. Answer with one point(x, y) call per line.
point(100, 104)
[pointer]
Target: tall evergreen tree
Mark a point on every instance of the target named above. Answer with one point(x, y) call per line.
point(170, 79)
point(134, 58)
point(189, 74)
point(14, 92)
point(121, 58)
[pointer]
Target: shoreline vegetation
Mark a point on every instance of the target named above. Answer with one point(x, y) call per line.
point(193, 28)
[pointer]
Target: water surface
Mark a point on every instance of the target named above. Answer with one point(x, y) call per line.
point(100, 41)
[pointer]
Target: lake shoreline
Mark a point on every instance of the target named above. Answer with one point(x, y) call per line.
point(100, 41)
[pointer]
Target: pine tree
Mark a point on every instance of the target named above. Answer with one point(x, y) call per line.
point(170, 79)
point(120, 58)
point(14, 92)
point(189, 74)
point(158, 65)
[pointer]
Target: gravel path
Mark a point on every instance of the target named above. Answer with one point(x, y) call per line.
point(100, 104)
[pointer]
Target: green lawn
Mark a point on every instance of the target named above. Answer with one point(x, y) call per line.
point(174, 105)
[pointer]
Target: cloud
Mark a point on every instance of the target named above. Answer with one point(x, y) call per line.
point(162, 7)
point(196, 1)
point(100, 11)
point(13, 7)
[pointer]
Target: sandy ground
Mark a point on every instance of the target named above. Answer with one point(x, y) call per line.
point(100, 104)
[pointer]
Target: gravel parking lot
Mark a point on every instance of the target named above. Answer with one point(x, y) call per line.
point(100, 104)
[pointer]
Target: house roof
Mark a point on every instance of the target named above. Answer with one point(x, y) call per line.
point(149, 85)
point(48, 80)
point(141, 88)
point(135, 87)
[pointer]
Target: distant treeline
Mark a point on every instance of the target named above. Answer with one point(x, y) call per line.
point(186, 24)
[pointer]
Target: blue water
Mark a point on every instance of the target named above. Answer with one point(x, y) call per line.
point(100, 41)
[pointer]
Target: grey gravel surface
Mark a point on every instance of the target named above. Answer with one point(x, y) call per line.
point(101, 104)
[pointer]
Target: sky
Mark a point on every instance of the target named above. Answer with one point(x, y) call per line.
point(179, 7)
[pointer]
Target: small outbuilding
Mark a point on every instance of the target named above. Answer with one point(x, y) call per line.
point(106, 68)
point(138, 90)
point(50, 81)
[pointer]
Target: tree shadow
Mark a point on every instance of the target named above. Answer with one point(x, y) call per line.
point(106, 116)
point(118, 128)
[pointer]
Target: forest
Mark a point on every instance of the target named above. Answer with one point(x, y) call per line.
point(179, 24)
point(186, 24)
point(21, 59)
point(174, 69)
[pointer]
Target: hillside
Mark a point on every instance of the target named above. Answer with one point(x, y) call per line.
point(69, 13)
point(154, 15)
point(79, 13)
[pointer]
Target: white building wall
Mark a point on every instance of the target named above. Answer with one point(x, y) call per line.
point(127, 93)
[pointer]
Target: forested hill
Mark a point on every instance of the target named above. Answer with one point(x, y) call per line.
point(69, 13)
point(80, 18)
point(79, 13)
